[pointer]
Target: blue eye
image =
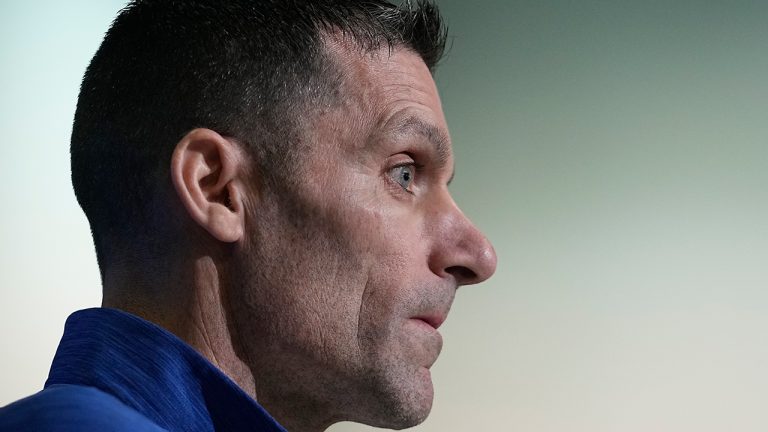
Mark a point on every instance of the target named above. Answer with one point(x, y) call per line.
point(404, 175)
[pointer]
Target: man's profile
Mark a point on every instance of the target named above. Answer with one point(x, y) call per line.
point(266, 183)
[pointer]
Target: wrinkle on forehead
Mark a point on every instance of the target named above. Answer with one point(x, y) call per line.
point(382, 88)
point(382, 81)
point(388, 70)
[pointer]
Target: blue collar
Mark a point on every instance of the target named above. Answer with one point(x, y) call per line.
point(154, 372)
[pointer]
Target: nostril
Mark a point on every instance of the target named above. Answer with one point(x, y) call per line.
point(462, 274)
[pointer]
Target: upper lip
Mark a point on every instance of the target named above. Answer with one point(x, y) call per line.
point(433, 320)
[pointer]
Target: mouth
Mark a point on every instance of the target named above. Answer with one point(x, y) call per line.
point(434, 321)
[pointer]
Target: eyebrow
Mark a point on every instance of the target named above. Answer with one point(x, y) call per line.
point(433, 134)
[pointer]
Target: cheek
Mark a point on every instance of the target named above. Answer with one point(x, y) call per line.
point(401, 286)
point(302, 284)
point(391, 295)
point(334, 277)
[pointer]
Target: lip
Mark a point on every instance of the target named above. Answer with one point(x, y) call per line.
point(434, 321)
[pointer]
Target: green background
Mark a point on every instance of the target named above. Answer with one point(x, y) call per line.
point(615, 152)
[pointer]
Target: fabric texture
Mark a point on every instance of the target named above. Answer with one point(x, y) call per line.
point(114, 371)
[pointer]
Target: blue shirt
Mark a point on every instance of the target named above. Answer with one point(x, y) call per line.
point(114, 371)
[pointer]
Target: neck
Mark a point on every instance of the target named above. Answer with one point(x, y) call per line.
point(190, 304)
point(193, 304)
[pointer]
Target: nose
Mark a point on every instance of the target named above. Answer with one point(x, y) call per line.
point(459, 249)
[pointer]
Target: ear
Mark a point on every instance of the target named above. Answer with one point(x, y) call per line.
point(207, 172)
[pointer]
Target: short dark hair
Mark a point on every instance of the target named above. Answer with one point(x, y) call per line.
point(244, 68)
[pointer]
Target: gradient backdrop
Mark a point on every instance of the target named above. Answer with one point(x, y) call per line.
point(616, 153)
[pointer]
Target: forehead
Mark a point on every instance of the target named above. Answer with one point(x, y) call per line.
point(388, 89)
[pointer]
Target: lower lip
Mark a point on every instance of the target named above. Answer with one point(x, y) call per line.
point(434, 336)
point(424, 324)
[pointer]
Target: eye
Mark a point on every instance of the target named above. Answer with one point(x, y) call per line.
point(403, 175)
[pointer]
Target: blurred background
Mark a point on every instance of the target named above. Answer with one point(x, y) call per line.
point(615, 152)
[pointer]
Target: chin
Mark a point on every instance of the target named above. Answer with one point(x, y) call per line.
point(412, 416)
point(403, 402)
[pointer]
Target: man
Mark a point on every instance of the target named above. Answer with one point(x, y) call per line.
point(266, 183)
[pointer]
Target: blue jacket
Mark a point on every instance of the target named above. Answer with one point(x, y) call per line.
point(114, 371)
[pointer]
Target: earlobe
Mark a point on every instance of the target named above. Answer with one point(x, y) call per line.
point(206, 171)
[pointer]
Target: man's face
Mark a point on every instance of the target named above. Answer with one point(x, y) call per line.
point(349, 269)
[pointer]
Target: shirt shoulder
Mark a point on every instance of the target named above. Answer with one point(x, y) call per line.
point(65, 407)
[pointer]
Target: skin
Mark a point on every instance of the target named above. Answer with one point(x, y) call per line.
point(321, 296)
